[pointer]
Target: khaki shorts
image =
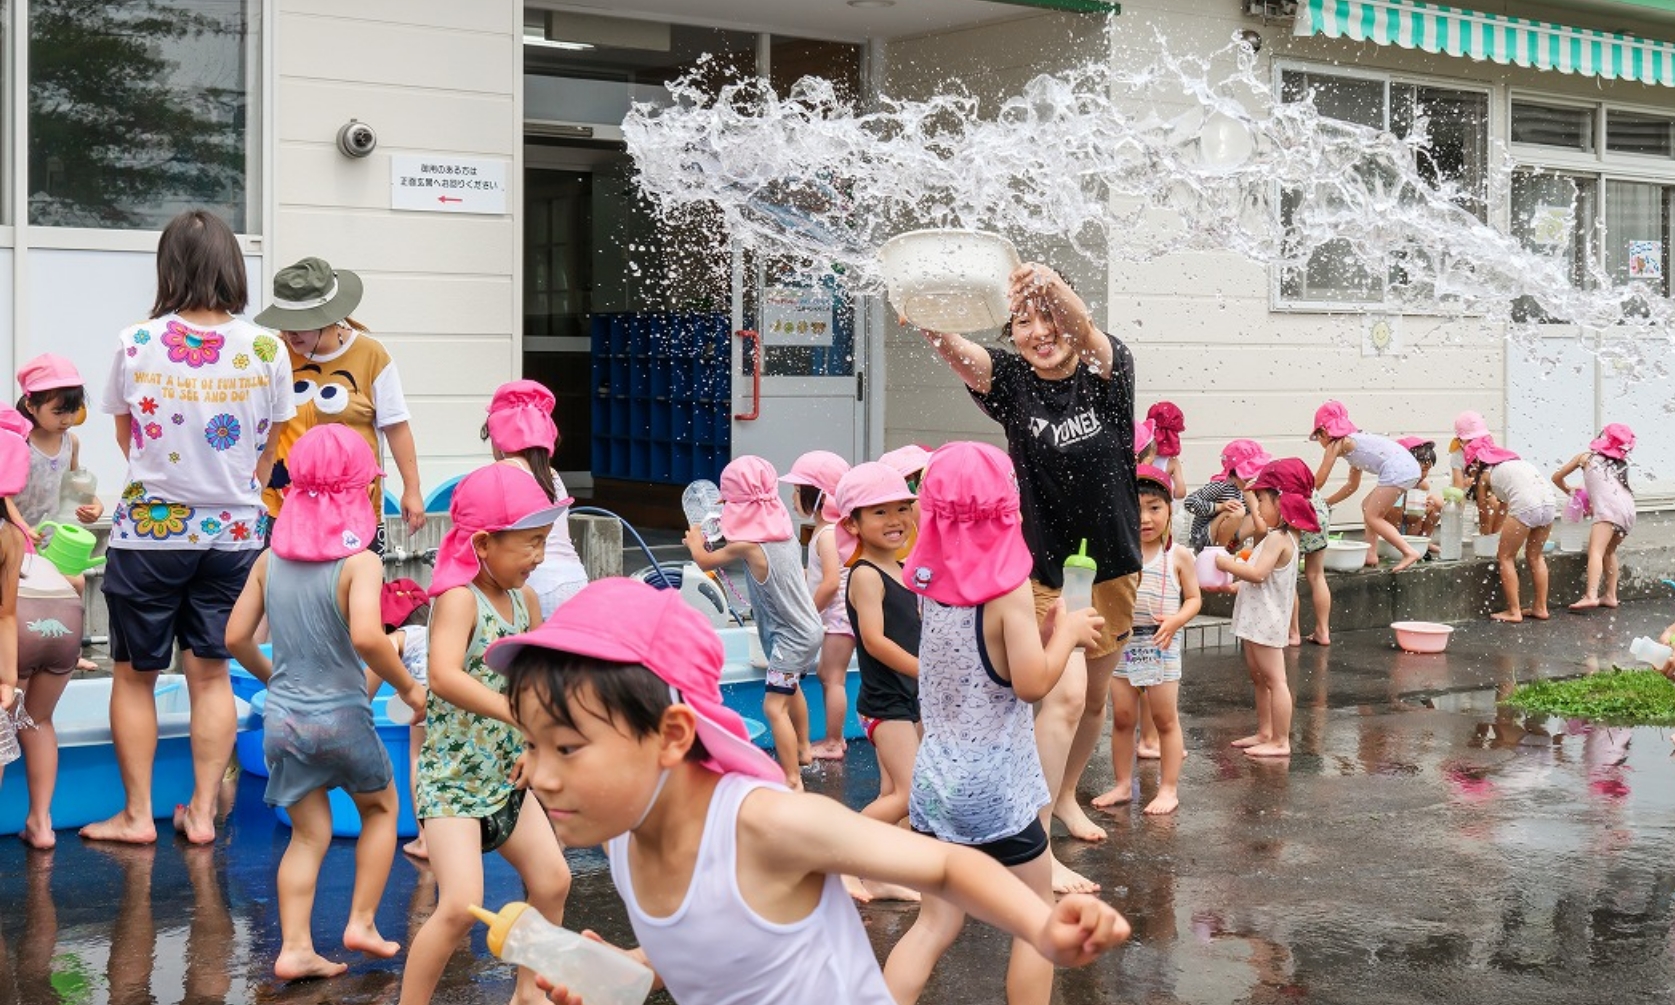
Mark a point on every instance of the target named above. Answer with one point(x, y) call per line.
point(1113, 599)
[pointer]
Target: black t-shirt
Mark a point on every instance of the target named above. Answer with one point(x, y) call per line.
point(1072, 441)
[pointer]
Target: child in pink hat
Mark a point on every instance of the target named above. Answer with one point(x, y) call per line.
point(521, 430)
point(631, 747)
point(1167, 424)
point(1523, 505)
point(1384, 458)
point(758, 531)
point(54, 400)
point(468, 797)
point(1418, 515)
point(1218, 508)
point(319, 588)
point(1606, 494)
point(977, 780)
point(814, 479)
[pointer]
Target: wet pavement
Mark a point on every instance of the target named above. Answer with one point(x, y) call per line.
point(1421, 845)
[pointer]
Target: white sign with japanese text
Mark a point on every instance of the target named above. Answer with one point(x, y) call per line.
point(794, 315)
point(435, 184)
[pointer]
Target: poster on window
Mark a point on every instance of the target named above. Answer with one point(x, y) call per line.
point(1645, 259)
point(796, 315)
point(1550, 225)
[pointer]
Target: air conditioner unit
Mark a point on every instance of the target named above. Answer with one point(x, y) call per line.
point(1270, 8)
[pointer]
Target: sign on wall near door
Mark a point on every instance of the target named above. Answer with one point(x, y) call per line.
point(428, 183)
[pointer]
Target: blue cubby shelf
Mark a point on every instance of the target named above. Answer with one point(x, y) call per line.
point(662, 396)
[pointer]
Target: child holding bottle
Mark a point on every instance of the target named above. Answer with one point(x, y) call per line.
point(815, 477)
point(470, 795)
point(520, 427)
point(758, 532)
point(730, 882)
point(322, 588)
point(1384, 458)
point(1167, 599)
point(1526, 500)
point(977, 781)
point(54, 400)
point(1262, 611)
point(1605, 480)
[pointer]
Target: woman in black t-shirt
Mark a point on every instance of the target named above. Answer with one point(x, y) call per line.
point(1066, 402)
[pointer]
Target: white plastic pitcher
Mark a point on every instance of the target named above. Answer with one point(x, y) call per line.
point(1650, 651)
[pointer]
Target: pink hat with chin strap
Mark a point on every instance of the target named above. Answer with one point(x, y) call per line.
point(1333, 418)
point(1244, 458)
point(1483, 450)
point(822, 470)
point(521, 417)
point(751, 507)
point(491, 499)
point(328, 513)
point(1614, 441)
point(971, 539)
point(870, 484)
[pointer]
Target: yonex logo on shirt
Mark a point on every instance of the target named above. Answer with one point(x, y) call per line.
point(1075, 429)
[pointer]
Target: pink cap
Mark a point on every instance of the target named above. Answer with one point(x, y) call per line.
point(328, 511)
point(1469, 426)
point(627, 621)
point(1409, 442)
point(1244, 458)
point(47, 372)
point(1292, 479)
point(1482, 450)
point(14, 466)
point(521, 417)
point(868, 484)
point(752, 510)
point(971, 540)
point(1144, 434)
point(820, 469)
point(14, 421)
point(486, 501)
point(908, 460)
point(1167, 426)
point(1156, 475)
point(1334, 419)
point(1615, 441)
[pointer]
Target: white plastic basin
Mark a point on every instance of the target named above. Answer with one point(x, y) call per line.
point(1416, 542)
point(949, 280)
point(1345, 556)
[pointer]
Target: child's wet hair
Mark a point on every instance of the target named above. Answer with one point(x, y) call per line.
point(808, 499)
point(70, 399)
point(1425, 454)
point(629, 695)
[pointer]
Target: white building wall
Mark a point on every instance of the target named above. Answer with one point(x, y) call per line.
point(442, 290)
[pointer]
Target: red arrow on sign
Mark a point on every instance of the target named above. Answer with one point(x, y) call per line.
point(445, 198)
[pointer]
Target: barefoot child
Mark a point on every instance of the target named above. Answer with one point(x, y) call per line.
point(1605, 480)
point(731, 882)
point(1418, 517)
point(1151, 665)
point(320, 588)
point(815, 477)
point(404, 608)
point(520, 427)
point(14, 473)
point(54, 400)
point(1262, 611)
point(1527, 501)
point(1384, 458)
point(977, 781)
point(758, 532)
point(1218, 506)
point(469, 795)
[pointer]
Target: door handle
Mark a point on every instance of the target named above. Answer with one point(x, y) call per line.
point(755, 379)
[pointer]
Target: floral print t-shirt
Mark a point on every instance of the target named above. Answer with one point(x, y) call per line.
point(203, 403)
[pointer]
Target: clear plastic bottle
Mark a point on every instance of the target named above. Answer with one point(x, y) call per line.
point(1650, 651)
point(1452, 527)
point(1079, 571)
point(597, 973)
point(701, 502)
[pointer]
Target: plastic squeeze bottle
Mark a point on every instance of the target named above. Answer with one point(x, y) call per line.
point(1079, 571)
point(1650, 651)
point(596, 972)
point(1452, 527)
point(701, 502)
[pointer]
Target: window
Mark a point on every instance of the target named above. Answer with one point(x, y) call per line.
point(139, 109)
point(1455, 156)
point(1558, 126)
point(1636, 227)
point(1554, 213)
point(1629, 133)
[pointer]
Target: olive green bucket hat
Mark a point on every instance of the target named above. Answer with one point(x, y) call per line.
point(311, 295)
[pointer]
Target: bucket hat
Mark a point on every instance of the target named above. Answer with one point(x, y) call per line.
point(328, 514)
point(751, 508)
point(1167, 426)
point(311, 295)
point(869, 484)
point(47, 372)
point(521, 417)
point(487, 501)
point(1333, 418)
point(971, 540)
point(1484, 451)
point(1292, 479)
point(822, 470)
point(398, 600)
point(1244, 458)
point(627, 621)
point(1614, 441)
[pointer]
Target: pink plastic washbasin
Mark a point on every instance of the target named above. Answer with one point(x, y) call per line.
point(1422, 636)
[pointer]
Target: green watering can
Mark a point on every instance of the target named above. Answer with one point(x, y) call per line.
point(70, 548)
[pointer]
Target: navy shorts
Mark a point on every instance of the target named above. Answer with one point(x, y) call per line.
point(158, 598)
point(1025, 846)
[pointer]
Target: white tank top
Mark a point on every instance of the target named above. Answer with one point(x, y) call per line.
point(715, 950)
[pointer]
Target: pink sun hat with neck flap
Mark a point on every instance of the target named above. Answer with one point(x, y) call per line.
point(14, 421)
point(1244, 458)
point(328, 513)
point(873, 483)
point(48, 372)
point(1483, 450)
point(1614, 441)
point(1144, 435)
point(822, 470)
point(1333, 418)
point(489, 500)
point(14, 469)
point(751, 507)
point(521, 417)
point(906, 461)
point(627, 621)
point(971, 539)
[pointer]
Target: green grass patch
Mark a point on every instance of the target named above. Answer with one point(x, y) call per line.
point(1615, 697)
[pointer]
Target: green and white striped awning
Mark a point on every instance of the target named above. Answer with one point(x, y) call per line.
point(1498, 37)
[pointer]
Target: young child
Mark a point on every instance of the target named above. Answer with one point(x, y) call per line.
point(977, 780)
point(1418, 518)
point(758, 532)
point(1311, 544)
point(1526, 499)
point(1605, 480)
point(1218, 507)
point(1262, 611)
point(909, 462)
point(54, 400)
point(469, 793)
point(404, 608)
point(520, 427)
point(322, 587)
point(1166, 600)
point(1394, 467)
point(815, 476)
point(730, 882)
point(1468, 428)
point(1167, 424)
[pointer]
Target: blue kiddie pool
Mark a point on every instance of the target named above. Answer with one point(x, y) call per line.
point(89, 785)
point(742, 677)
point(249, 746)
point(346, 818)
